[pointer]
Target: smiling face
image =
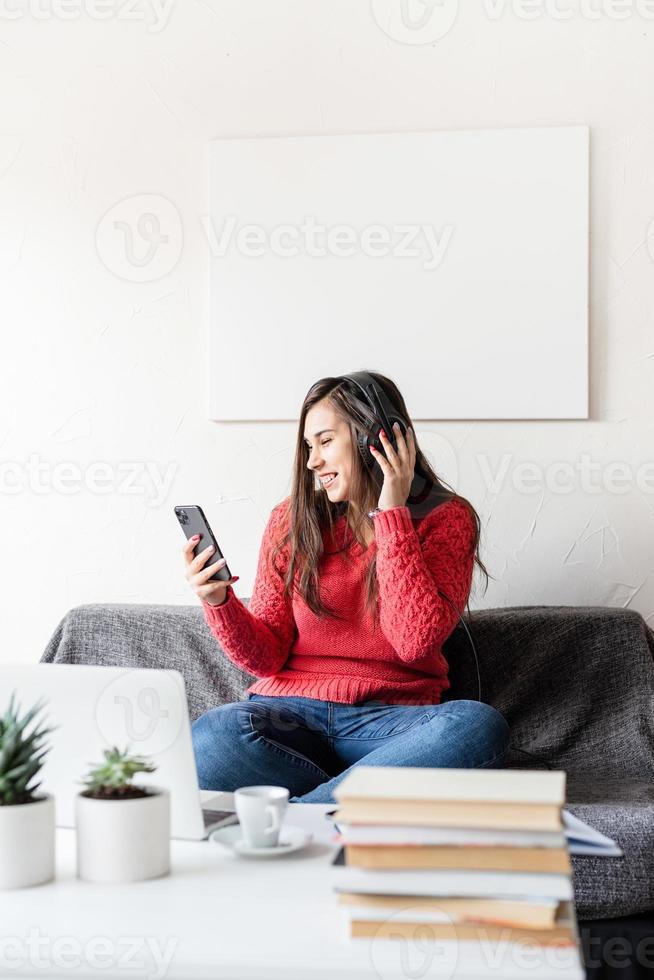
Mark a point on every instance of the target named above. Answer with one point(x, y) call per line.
point(327, 438)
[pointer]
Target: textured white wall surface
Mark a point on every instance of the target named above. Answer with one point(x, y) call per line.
point(107, 114)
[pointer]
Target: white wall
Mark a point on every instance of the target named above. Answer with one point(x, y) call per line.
point(99, 368)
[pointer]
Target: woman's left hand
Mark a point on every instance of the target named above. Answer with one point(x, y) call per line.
point(398, 468)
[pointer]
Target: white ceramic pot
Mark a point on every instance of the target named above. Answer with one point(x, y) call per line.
point(123, 840)
point(27, 843)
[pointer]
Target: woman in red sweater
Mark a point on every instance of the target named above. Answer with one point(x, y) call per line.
point(347, 617)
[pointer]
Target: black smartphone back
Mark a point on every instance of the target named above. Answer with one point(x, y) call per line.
point(193, 521)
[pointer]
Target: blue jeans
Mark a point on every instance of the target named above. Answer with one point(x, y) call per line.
point(309, 746)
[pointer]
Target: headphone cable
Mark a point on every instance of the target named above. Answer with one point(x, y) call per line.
point(465, 626)
point(512, 747)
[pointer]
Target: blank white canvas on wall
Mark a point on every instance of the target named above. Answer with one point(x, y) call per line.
point(454, 262)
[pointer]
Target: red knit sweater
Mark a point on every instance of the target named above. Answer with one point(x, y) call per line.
point(296, 653)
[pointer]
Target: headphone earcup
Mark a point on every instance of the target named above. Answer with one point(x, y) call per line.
point(366, 455)
point(363, 441)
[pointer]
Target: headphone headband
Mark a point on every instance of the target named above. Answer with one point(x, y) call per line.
point(380, 405)
point(424, 496)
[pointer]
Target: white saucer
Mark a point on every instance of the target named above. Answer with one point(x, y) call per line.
point(290, 839)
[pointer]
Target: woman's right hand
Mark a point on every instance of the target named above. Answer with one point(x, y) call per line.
point(215, 593)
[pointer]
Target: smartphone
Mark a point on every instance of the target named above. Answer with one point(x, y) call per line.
point(193, 521)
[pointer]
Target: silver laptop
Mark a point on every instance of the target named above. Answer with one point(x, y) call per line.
point(99, 707)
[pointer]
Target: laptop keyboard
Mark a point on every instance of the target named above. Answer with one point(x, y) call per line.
point(213, 816)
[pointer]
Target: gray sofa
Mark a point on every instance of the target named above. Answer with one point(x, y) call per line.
point(575, 684)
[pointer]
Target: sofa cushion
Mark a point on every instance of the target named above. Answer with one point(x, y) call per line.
point(623, 809)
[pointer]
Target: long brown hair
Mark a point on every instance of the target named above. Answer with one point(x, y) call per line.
point(310, 511)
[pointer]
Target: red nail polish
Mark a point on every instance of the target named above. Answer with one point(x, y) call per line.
point(384, 434)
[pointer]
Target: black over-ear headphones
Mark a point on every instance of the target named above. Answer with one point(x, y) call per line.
point(383, 410)
point(424, 495)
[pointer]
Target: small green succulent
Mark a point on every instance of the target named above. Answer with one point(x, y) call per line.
point(21, 755)
point(113, 777)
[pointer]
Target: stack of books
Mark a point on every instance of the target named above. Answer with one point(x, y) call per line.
point(478, 855)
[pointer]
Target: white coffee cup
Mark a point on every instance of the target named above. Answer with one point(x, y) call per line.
point(260, 810)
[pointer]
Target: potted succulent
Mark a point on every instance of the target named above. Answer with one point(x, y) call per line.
point(123, 830)
point(27, 824)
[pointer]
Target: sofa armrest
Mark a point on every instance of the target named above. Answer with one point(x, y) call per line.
point(161, 636)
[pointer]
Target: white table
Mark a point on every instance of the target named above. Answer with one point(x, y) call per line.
point(221, 916)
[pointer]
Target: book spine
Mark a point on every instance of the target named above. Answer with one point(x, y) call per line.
point(558, 936)
point(477, 858)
